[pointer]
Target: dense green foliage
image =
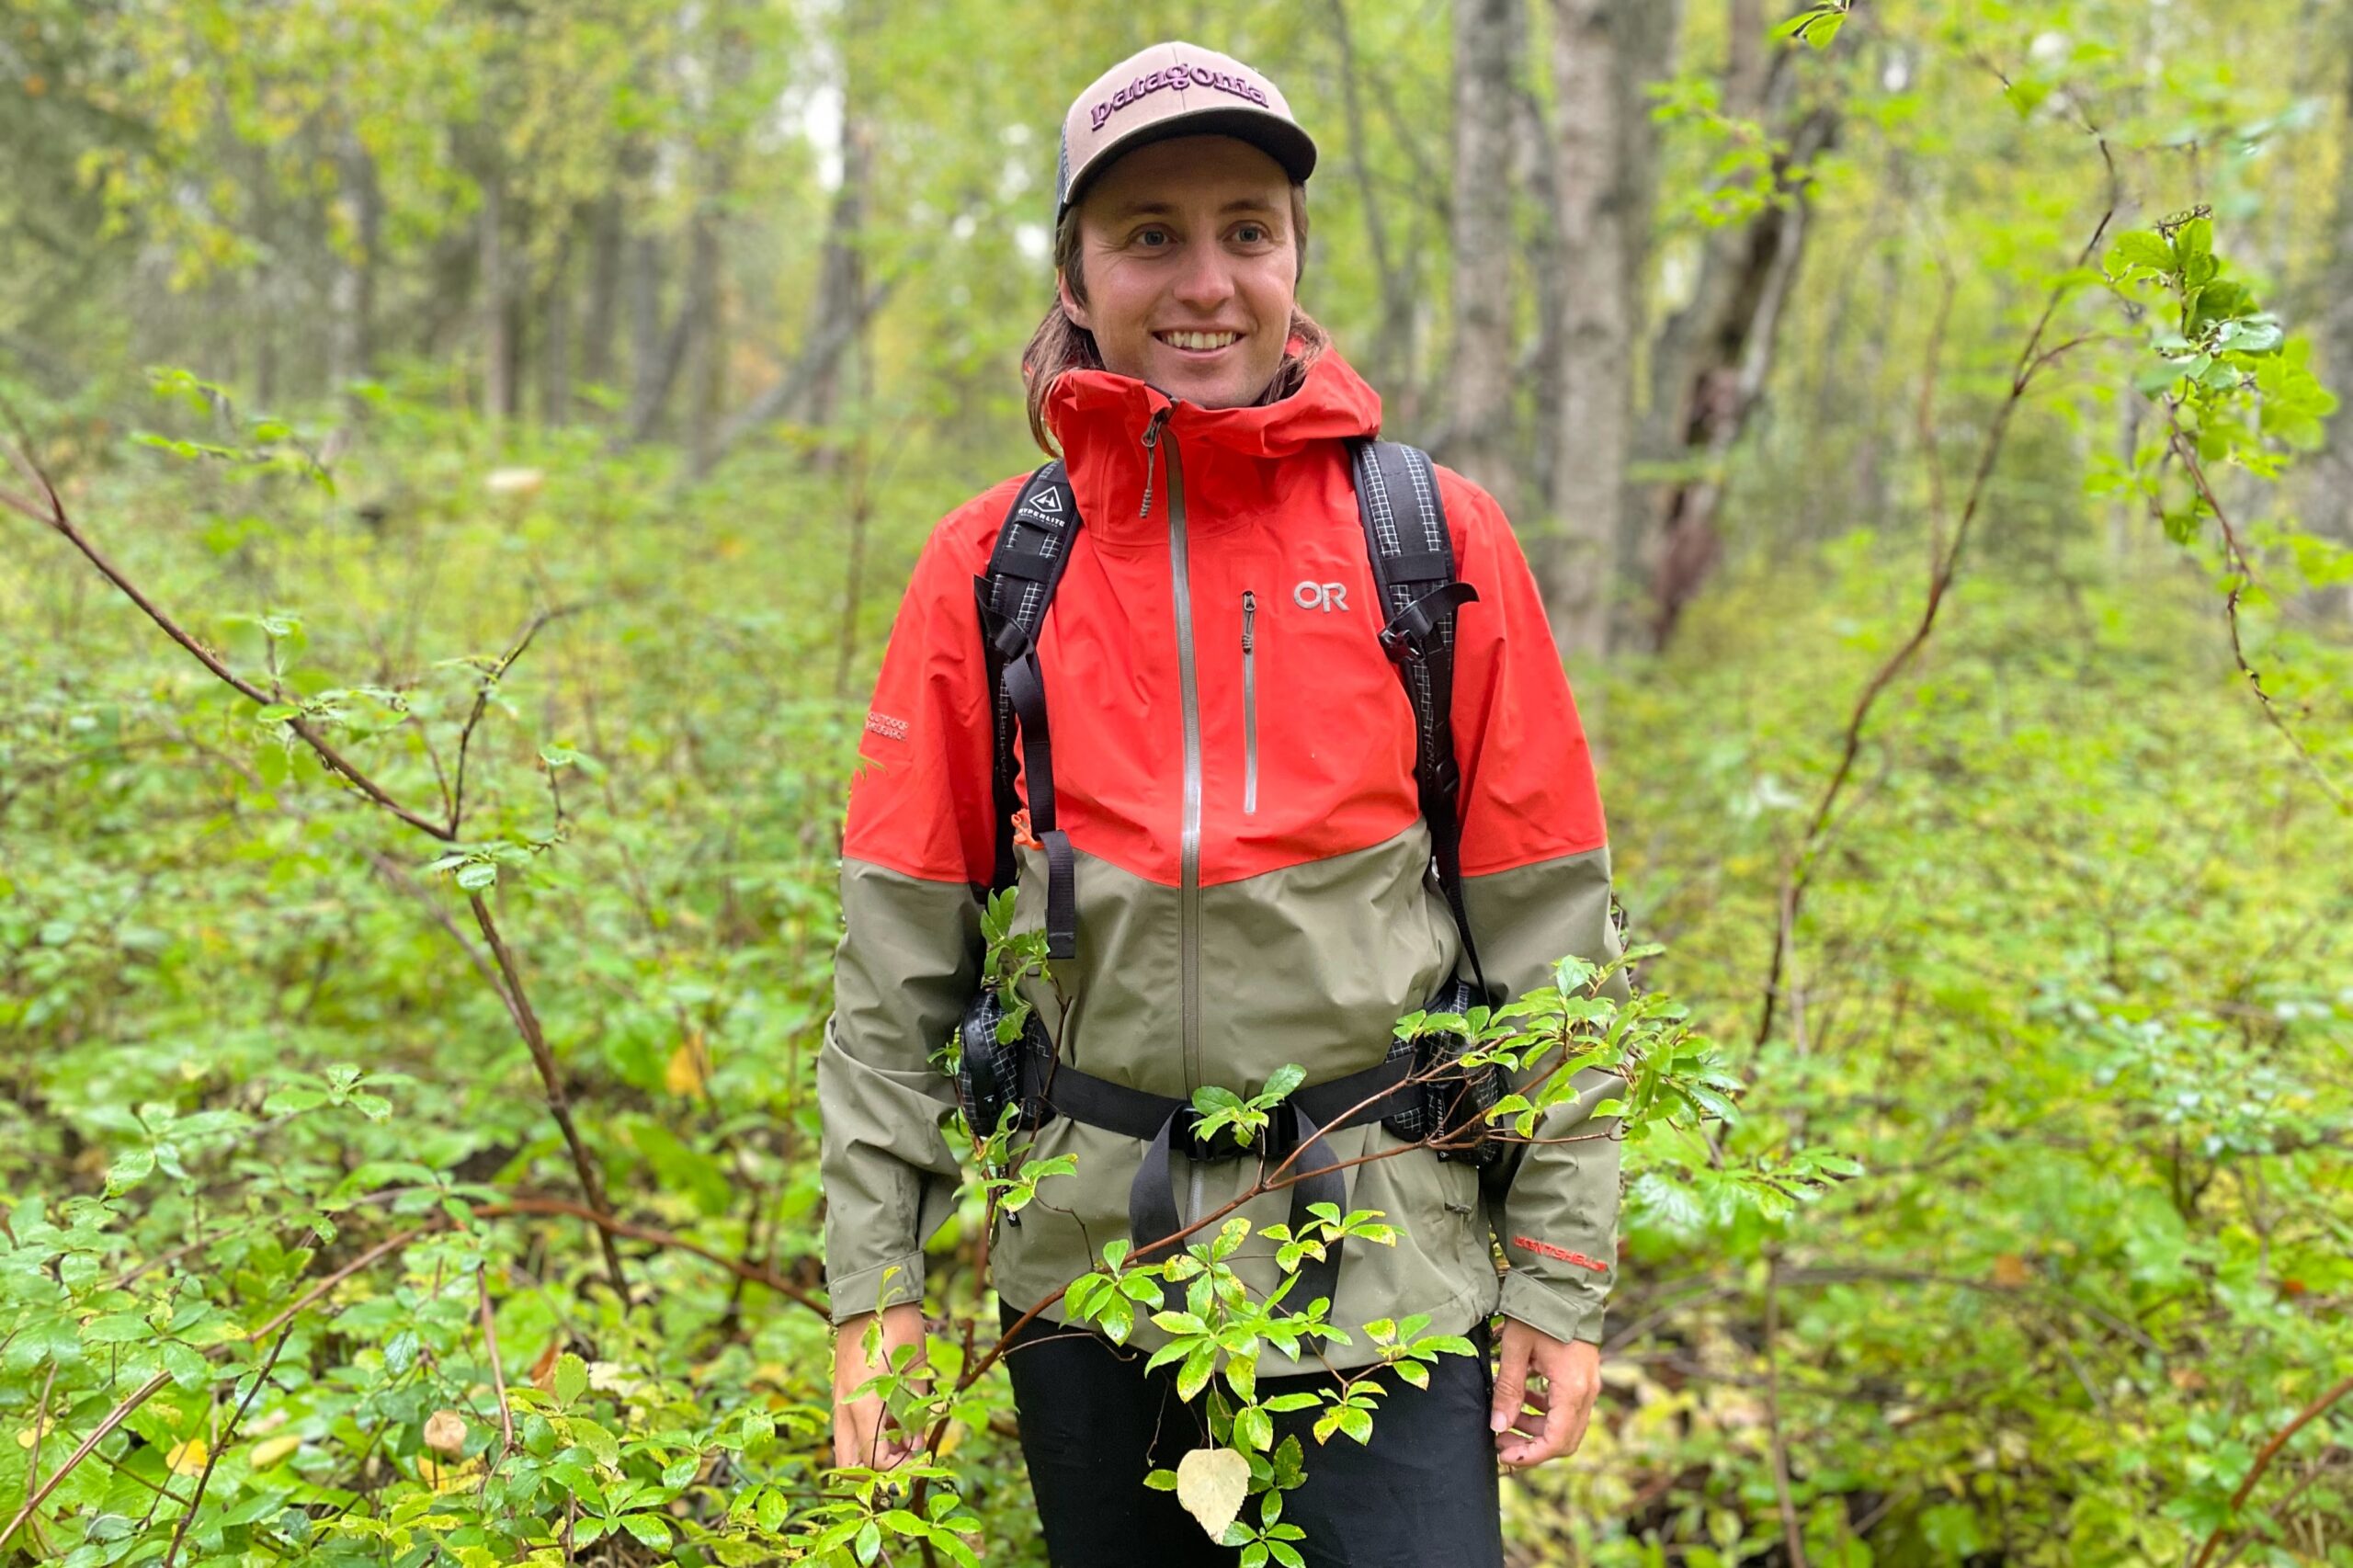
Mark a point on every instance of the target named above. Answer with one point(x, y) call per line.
point(2053, 953)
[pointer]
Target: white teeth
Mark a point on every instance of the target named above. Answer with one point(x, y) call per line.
point(1198, 339)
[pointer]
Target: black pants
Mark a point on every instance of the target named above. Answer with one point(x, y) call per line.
point(1093, 1422)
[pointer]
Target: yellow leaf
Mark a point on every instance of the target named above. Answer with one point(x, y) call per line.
point(188, 1458)
point(2010, 1271)
point(276, 1449)
point(687, 1071)
point(1211, 1484)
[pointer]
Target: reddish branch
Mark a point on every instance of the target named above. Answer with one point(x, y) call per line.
point(2271, 1451)
point(2243, 573)
point(526, 1023)
point(497, 1371)
point(2032, 359)
point(52, 514)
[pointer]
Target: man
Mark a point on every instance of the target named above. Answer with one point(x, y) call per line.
point(1233, 768)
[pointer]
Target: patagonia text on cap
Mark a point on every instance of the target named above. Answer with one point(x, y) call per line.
point(1175, 89)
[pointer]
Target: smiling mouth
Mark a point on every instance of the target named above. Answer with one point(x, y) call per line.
point(1199, 342)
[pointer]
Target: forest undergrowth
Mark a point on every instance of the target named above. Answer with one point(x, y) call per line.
point(287, 1224)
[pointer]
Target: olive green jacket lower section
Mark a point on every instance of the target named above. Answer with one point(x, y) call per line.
point(1313, 964)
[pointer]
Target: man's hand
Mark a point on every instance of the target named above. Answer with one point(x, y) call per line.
point(1555, 1425)
point(858, 1435)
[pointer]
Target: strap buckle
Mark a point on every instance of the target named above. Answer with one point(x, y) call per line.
point(1403, 643)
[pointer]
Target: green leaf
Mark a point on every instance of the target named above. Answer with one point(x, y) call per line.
point(571, 1378)
point(117, 1328)
point(2141, 249)
point(131, 1167)
point(649, 1528)
point(596, 1440)
point(1281, 1082)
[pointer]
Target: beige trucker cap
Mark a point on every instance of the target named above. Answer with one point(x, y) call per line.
point(1175, 89)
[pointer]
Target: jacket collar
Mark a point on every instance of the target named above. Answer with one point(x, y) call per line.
point(1230, 456)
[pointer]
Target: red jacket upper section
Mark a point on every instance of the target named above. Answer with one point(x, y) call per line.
point(1269, 511)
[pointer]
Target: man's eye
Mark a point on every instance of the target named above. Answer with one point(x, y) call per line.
point(1251, 234)
point(1152, 238)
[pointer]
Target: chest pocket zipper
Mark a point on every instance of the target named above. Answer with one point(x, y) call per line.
point(1249, 703)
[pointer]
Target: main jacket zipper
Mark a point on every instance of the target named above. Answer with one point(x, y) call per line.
point(1189, 860)
point(1249, 703)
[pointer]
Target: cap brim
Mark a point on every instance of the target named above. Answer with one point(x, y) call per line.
point(1279, 139)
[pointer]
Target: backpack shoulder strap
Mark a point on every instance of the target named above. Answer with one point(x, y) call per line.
point(1412, 566)
point(1032, 548)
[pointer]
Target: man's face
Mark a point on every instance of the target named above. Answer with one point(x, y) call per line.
point(1187, 258)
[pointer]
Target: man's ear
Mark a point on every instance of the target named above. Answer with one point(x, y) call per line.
point(1071, 307)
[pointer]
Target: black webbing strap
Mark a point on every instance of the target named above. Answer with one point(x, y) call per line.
point(1032, 549)
point(1167, 1127)
point(1412, 566)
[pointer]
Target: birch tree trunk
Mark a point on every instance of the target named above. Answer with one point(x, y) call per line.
point(1478, 441)
point(1604, 168)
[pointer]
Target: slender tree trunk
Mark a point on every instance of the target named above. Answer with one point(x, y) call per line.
point(841, 272)
point(704, 358)
point(555, 337)
point(1602, 54)
point(658, 372)
point(1650, 47)
point(499, 392)
point(599, 326)
point(1711, 358)
point(1479, 428)
point(1540, 361)
point(2330, 493)
point(645, 335)
point(352, 345)
point(1393, 357)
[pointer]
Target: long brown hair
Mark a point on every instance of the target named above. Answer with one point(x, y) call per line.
point(1061, 345)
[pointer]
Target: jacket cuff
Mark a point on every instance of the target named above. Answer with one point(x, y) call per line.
point(1564, 1314)
point(893, 1283)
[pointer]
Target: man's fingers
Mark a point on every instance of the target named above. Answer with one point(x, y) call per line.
point(1511, 1386)
point(1576, 1433)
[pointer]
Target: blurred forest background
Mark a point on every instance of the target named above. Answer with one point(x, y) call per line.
point(488, 439)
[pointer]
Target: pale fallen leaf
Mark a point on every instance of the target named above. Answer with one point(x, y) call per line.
point(268, 1453)
point(445, 1431)
point(188, 1458)
point(1211, 1484)
point(515, 481)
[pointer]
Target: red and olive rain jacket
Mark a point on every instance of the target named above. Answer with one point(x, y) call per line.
point(1233, 755)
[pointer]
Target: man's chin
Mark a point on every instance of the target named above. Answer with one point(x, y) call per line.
point(1212, 384)
point(1227, 389)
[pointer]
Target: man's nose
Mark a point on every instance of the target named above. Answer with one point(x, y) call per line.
point(1206, 279)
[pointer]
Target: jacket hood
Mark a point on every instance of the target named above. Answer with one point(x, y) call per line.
point(1228, 455)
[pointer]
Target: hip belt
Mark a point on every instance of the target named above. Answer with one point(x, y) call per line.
point(1170, 1130)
